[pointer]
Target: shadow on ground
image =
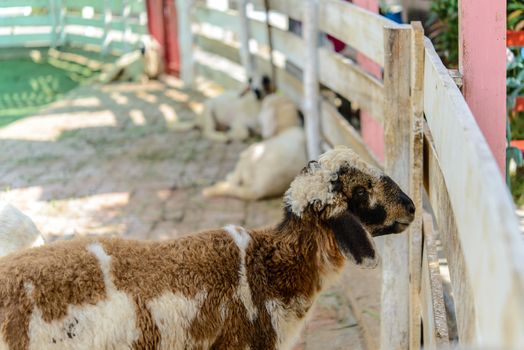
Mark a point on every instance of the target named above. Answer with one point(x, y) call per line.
point(104, 161)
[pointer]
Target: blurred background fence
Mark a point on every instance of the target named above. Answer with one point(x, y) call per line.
point(108, 26)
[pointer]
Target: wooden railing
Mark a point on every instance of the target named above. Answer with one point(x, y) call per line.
point(105, 25)
point(433, 146)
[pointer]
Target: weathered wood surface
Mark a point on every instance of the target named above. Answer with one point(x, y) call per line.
point(19, 3)
point(245, 35)
point(344, 20)
point(26, 40)
point(484, 212)
point(185, 40)
point(337, 131)
point(291, 8)
point(310, 79)
point(336, 72)
point(352, 82)
point(415, 181)
point(453, 248)
point(397, 127)
point(431, 293)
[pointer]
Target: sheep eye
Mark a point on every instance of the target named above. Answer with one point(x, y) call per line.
point(360, 192)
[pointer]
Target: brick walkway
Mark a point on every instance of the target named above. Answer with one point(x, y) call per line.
point(105, 162)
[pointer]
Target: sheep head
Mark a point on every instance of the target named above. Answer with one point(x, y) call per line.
point(355, 200)
point(259, 86)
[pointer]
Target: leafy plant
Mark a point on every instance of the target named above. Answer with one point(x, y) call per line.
point(514, 88)
point(442, 25)
point(515, 15)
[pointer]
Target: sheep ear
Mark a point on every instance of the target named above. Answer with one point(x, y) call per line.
point(354, 241)
point(312, 167)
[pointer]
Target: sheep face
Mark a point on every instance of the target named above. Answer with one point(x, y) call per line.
point(260, 87)
point(377, 201)
point(355, 200)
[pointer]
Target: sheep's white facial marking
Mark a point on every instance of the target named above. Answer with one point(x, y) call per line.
point(173, 314)
point(110, 321)
point(242, 239)
point(285, 322)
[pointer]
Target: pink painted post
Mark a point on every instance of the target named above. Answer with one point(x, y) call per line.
point(372, 132)
point(482, 61)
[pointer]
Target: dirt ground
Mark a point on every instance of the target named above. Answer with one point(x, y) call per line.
point(103, 161)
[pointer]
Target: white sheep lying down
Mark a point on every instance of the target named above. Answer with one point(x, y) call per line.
point(234, 111)
point(17, 230)
point(228, 288)
point(266, 168)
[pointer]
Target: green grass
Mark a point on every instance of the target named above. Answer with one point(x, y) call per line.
point(26, 85)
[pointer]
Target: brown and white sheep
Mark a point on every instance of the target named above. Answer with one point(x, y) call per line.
point(17, 230)
point(266, 168)
point(232, 115)
point(227, 288)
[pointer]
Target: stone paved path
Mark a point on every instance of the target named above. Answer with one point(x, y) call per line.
point(104, 161)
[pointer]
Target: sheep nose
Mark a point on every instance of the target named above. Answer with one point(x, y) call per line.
point(407, 203)
point(411, 208)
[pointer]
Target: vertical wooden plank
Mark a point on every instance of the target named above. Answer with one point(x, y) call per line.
point(186, 41)
point(62, 19)
point(415, 190)
point(453, 248)
point(433, 309)
point(269, 31)
point(53, 14)
point(245, 34)
point(106, 39)
point(126, 12)
point(311, 87)
point(482, 61)
point(394, 321)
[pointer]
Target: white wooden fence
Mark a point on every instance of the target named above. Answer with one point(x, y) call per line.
point(433, 145)
point(106, 25)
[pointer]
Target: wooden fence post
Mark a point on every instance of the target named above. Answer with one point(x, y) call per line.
point(311, 87)
point(415, 180)
point(63, 22)
point(54, 14)
point(245, 35)
point(394, 322)
point(186, 41)
point(107, 25)
point(126, 12)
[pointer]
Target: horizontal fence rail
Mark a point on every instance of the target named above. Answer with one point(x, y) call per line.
point(433, 146)
point(109, 26)
point(26, 23)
